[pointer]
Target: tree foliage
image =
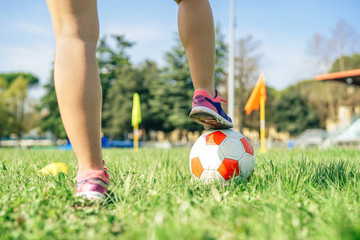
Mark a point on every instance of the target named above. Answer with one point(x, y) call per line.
point(346, 63)
point(51, 120)
point(112, 59)
point(13, 98)
point(293, 114)
point(172, 96)
point(8, 78)
point(118, 104)
point(116, 74)
point(221, 51)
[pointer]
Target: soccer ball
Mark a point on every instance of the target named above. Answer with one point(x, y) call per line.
point(221, 155)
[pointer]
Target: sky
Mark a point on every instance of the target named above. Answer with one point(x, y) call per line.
point(283, 28)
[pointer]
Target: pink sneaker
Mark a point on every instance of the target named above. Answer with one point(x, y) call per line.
point(208, 112)
point(93, 185)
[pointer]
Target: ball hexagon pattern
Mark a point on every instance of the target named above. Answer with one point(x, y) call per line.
point(221, 155)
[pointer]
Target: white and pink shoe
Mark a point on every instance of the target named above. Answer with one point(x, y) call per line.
point(93, 185)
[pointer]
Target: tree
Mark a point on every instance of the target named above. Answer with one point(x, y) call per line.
point(8, 78)
point(172, 92)
point(322, 50)
point(325, 50)
point(346, 63)
point(51, 120)
point(15, 96)
point(14, 91)
point(293, 115)
point(7, 120)
point(112, 60)
point(118, 105)
point(149, 73)
point(6, 123)
point(345, 40)
point(246, 74)
point(220, 56)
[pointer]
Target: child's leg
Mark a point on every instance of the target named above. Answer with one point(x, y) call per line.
point(77, 81)
point(197, 34)
point(196, 30)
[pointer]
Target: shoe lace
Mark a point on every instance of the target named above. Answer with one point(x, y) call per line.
point(223, 100)
point(105, 168)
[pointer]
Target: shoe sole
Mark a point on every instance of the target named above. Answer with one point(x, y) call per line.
point(91, 195)
point(209, 118)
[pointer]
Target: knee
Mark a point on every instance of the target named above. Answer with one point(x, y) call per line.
point(88, 32)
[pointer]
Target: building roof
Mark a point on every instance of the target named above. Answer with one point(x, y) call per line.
point(349, 77)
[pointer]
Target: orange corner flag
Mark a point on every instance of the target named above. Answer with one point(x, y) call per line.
point(259, 91)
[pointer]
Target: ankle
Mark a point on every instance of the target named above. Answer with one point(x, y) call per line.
point(83, 170)
point(210, 91)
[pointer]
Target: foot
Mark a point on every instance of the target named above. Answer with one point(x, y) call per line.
point(208, 112)
point(92, 185)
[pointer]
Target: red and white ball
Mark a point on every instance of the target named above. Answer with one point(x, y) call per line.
point(221, 155)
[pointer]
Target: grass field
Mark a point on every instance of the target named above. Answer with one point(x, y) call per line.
point(297, 194)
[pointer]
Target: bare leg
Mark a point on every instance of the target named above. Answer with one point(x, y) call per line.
point(196, 30)
point(197, 34)
point(77, 81)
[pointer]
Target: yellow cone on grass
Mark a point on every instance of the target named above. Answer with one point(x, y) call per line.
point(54, 169)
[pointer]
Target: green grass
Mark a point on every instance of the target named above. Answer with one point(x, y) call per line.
point(313, 194)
